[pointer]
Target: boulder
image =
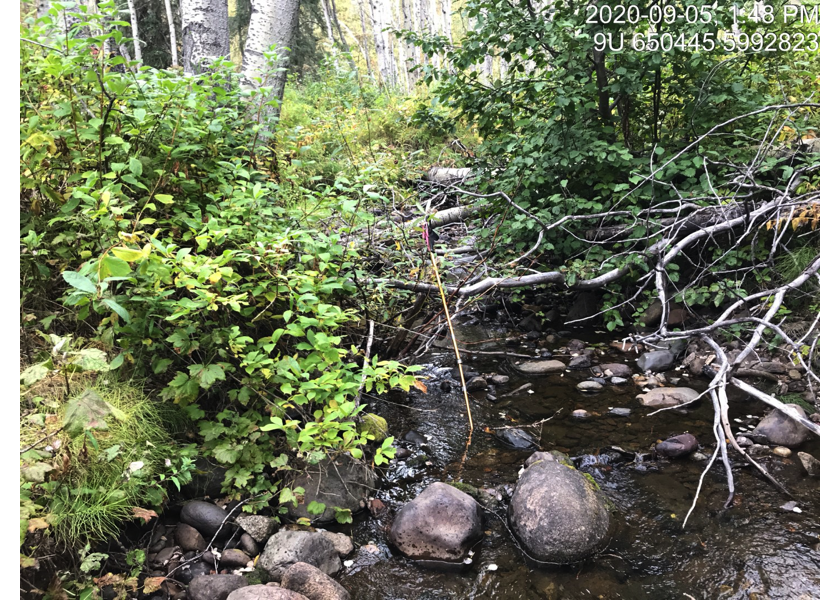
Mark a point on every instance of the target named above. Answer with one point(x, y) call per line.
point(553, 455)
point(343, 482)
point(810, 464)
point(517, 439)
point(541, 367)
point(374, 425)
point(313, 583)
point(663, 397)
point(207, 518)
point(189, 538)
point(215, 587)
point(265, 592)
point(557, 514)
point(580, 362)
point(780, 430)
point(614, 370)
point(343, 544)
point(441, 523)
point(258, 527)
point(289, 546)
point(677, 446)
point(656, 361)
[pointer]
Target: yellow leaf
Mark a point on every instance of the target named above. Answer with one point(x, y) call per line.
point(36, 524)
point(127, 254)
point(105, 198)
point(143, 513)
point(215, 277)
point(152, 584)
point(420, 386)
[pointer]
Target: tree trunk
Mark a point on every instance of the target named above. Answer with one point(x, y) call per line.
point(364, 42)
point(43, 8)
point(328, 26)
point(381, 17)
point(135, 31)
point(446, 19)
point(273, 23)
point(204, 30)
point(173, 40)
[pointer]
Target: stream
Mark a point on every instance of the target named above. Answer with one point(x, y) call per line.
point(753, 550)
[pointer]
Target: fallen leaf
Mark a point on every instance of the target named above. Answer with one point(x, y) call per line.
point(420, 386)
point(153, 584)
point(143, 513)
point(36, 524)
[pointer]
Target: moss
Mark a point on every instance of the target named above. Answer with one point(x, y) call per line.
point(375, 426)
point(466, 488)
point(591, 480)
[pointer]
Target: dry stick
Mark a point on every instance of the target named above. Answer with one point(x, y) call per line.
point(365, 363)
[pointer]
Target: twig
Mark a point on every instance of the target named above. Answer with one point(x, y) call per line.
point(536, 424)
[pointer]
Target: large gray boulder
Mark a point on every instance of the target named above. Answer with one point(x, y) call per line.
point(541, 367)
point(215, 587)
point(343, 482)
point(441, 523)
point(664, 397)
point(290, 546)
point(265, 592)
point(312, 583)
point(557, 514)
point(780, 430)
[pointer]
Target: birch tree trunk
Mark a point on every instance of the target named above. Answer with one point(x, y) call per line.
point(204, 31)
point(330, 37)
point(173, 40)
point(135, 31)
point(364, 42)
point(381, 16)
point(446, 18)
point(273, 23)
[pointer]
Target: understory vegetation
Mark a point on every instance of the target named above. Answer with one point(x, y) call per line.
point(199, 274)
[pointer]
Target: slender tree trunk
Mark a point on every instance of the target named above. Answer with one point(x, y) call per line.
point(330, 37)
point(381, 16)
point(364, 43)
point(345, 47)
point(173, 40)
point(446, 18)
point(204, 31)
point(135, 31)
point(411, 50)
point(273, 23)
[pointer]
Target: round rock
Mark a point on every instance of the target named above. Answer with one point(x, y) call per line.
point(589, 386)
point(780, 430)
point(215, 587)
point(313, 583)
point(207, 518)
point(663, 397)
point(343, 544)
point(557, 514)
point(189, 538)
point(615, 370)
point(541, 367)
point(441, 523)
point(265, 592)
point(289, 546)
point(677, 446)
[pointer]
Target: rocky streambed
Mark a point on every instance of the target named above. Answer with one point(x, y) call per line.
point(568, 487)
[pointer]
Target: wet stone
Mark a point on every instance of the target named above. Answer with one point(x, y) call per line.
point(620, 412)
point(782, 451)
point(618, 380)
point(499, 379)
point(589, 386)
point(580, 414)
point(517, 438)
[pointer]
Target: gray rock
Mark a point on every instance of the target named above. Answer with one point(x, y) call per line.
point(618, 380)
point(810, 464)
point(234, 558)
point(553, 455)
point(620, 412)
point(190, 571)
point(416, 438)
point(343, 482)
point(207, 518)
point(499, 379)
point(780, 430)
point(265, 592)
point(615, 370)
point(289, 546)
point(189, 538)
point(580, 362)
point(343, 544)
point(772, 367)
point(580, 414)
point(698, 457)
point(662, 397)
point(557, 514)
point(656, 361)
point(215, 587)
point(258, 527)
point(517, 438)
point(249, 545)
point(312, 583)
point(744, 442)
point(758, 449)
point(589, 386)
point(677, 446)
point(402, 453)
point(540, 367)
point(476, 384)
point(163, 557)
point(441, 523)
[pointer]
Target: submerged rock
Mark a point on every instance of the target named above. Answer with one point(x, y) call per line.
point(656, 361)
point(677, 446)
point(663, 397)
point(614, 370)
point(517, 438)
point(441, 523)
point(540, 367)
point(557, 514)
point(580, 362)
point(780, 430)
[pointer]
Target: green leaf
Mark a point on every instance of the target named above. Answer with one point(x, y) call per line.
point(343, 515)
point(135, 166)
point(79, 281)
point(164, 198)
point(127, 254)
point(34, 374)
point(111, 266)
point(86, 411)
point(316, 508)
point(111, 303)
point(207, 374)
point(109, 454)
point(35, 473)
point(91, 359)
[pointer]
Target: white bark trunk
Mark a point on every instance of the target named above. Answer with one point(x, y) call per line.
point(330, 37)
point(173, 40)
point(204, 31)
point(381, 17)
point(446, 19)
point(273, 23)
point(364, 41)
point(135, 31)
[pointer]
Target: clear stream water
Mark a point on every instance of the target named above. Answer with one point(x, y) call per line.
point(754, 550)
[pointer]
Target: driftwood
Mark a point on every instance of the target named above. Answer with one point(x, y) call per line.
point(446, 176)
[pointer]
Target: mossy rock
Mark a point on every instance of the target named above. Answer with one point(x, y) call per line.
point(467, 489)
point(375, 426)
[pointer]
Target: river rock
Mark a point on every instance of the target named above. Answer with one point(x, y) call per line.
point(265, 592)
point(344, 482)
point(215, 587)
point(191, 570)
point(477, 384)
point(656, 361)
point(580, 414)
point(782, 451)
point(234, 558)
point(313, 583)
point(416, 438)
point(517, 438)
point(499, 379)
point(374, 425)
point(343, 544)
point(614, 370)
point(677, 446)
point(258, 527)
point(580, 362)
point(810, 464)
point(249, 545)
point(441, 523)
point(576, 345)
point(207, 518)
point(625, 347)
point(620, 412)
point(289, 546)
point(780, 430)
point(189, 538)
point(541, 367)
point(589, 386)
point(662, 397)
point(553, 455)
point(557, 514)
point(618, 380)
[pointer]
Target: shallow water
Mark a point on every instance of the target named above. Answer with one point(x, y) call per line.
point(753, 550)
